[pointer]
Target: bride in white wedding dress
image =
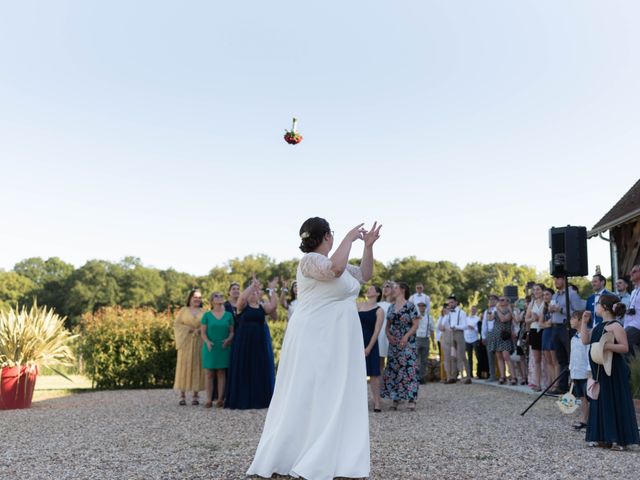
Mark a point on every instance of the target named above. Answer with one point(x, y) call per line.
point(317, 426)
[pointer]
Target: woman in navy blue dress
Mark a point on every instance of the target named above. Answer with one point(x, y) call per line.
point(251, 368)
point(612, 417)
point(371, 319)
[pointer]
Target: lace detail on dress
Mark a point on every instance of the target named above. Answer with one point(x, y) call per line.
point(355, 272)
point(316, 266)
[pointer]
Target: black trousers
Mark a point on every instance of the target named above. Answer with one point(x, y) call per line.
point(562, 347)
point(483, 361)
point(470, 348)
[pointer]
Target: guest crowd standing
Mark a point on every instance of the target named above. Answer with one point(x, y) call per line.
point(234, 335)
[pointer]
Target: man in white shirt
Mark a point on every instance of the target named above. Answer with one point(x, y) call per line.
point(472, 340)
point(486, 332)
point(420, 296)
point(632, 315)
point(622, 290)
point(453, 327)
point(424, 335)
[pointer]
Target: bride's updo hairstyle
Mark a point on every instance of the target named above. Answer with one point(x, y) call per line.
point(312, 233)
point(611, 303)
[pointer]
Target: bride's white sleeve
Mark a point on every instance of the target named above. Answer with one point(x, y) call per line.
point(355, 272)
point(316, 266)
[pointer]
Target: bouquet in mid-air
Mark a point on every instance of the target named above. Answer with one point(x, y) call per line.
point(292, 137)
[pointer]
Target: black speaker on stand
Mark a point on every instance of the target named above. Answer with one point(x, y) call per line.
point(568, 259)
point(511, 292)
point(568, 256)
point(568, 251)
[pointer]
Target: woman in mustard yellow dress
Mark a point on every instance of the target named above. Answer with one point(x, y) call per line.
point(189, 373)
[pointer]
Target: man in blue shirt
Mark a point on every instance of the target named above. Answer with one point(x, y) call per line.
point(561, 341)
point(598, 282)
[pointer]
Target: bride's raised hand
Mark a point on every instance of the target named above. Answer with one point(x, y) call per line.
point(356, 233)
point(372, 235)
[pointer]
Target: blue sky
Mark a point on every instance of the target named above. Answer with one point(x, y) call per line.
point(154, 129)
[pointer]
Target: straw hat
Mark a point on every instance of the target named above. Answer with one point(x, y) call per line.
point(599, 356)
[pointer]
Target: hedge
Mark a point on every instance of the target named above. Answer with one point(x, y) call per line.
point(128, 348)
point(277, 329)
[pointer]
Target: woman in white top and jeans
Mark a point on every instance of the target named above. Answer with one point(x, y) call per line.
point(535, 313)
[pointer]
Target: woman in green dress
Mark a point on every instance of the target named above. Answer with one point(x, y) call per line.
point(217, 333)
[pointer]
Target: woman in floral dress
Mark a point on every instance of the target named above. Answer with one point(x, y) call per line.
point(400, 380)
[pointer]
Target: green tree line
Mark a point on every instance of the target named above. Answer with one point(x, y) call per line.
point(130, 284)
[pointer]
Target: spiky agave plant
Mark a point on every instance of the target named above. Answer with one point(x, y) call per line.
point(34, 336)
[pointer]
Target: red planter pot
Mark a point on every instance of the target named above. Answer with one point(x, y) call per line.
point(16, 387)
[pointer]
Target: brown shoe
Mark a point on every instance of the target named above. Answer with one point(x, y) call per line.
point(451, 381)
point(467, 381)
point(219, 403)
point(208, 405)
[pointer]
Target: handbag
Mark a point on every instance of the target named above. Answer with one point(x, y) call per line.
point(567, 403)
point(593, 386)
point(505, 335)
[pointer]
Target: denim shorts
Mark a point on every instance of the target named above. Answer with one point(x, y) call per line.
point(547, 339)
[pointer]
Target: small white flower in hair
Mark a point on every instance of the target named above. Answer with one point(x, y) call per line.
point(304, 235)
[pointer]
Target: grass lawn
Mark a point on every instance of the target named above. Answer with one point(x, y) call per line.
point(55, 386)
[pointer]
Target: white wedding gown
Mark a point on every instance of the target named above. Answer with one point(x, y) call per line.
point(317, 426)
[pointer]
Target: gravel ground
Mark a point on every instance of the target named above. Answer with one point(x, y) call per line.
point(458, 431)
